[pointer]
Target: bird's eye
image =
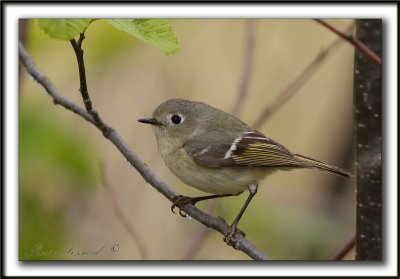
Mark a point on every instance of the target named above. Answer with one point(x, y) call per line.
point(176, 119)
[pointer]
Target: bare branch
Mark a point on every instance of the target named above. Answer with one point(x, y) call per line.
point(354, 41)
point(77, 46)
point(40, 78)
point(289, 92)
point(215, 223)
point(344, 250)
point(250, 30)
point(121, 215)
point(82, 73)
point(297, 83)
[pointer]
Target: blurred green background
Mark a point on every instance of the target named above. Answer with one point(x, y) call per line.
point(66, 212)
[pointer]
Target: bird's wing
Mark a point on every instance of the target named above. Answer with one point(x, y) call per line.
point(251, 149)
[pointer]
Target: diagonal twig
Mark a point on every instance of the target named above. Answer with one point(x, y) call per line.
point(354, 41)
point(344, 249)
point(297, 83)
point(77, 46)
point(247, 69)
point(149, 176)
point(289, 92)
point(121, 215)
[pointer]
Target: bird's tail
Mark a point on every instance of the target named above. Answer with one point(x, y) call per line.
point(323, 166)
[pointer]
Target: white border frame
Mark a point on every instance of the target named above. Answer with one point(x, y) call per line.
point(13, 11)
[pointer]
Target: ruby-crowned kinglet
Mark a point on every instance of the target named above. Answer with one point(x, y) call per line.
point(217, 153)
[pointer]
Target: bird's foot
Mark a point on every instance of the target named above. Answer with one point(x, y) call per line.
point(230, 235)
point(180, 201)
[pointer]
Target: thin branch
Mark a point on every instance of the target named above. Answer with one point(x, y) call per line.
point(297, 83)
point(354, 41)
point(40, 78)
point(22, 28)
point(290, 91)
point(149, 176)
point(247, 65)
point(122, 216)
point(344, 250)
point(82, 73)
point(77, 46)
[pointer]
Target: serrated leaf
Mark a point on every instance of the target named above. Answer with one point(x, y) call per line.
point(63, 29)
point(156, 32)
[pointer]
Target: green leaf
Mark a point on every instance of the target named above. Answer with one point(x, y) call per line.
point(156, 32)
point(64, 29)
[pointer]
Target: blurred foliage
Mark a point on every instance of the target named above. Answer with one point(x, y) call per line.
point(55, 167)
point(271, 224)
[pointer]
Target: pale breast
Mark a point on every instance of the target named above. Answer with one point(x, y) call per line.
point(222, 180)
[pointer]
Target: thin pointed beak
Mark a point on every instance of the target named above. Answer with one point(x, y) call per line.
point(151, 121)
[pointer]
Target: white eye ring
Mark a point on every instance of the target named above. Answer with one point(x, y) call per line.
point(176, 118)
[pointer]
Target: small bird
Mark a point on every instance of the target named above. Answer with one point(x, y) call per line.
point(217, 153)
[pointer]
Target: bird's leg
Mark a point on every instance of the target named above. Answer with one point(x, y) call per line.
point(181, 201)
point(229, 237)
